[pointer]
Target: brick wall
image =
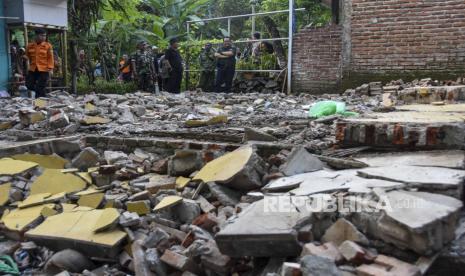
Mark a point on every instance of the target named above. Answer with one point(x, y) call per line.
point(381, 40)
point(317, 56)
point(407, 35)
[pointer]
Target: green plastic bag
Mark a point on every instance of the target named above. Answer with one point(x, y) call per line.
point(326, 108)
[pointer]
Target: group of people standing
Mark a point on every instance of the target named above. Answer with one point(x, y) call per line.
point(149, 69)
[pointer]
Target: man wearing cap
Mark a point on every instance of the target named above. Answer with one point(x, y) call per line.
point(41, 63)
point(207, 65)
point(142, 66)
point(174, 59)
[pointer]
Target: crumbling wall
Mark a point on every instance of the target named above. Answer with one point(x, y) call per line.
point(317, 60)
point(381, 41)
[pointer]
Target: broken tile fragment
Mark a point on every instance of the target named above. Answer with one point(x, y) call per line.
point(181, 182)
point(91, 200)
point(60, 232)
point(53, 181)
point(10, 166)
point(141, 207)
point(240, 169)
point(4, 193)
point(45, 161)
point(168, 201)
point(108, 219)
point(94, 120)
point(19, 219)
point(38, 199)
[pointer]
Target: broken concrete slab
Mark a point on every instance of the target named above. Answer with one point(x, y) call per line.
point(343, 230)
point(262, 231)
point(241, 169)
point(452, 159)
point(285, 184)
point(300, 161)
point(425, 178)
point(419, 220)
point(75, 230)
point(405, 219)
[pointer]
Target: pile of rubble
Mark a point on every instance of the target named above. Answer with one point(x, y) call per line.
point(192, 115)
point(291, 213)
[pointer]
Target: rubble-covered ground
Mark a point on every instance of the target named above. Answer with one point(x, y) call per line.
point(308, 208)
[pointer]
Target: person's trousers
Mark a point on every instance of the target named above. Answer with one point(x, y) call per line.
point(207, 81)
point(173, 84)
point(37, 81)
point(144, 82)
point(224, 76)
point(127, 77)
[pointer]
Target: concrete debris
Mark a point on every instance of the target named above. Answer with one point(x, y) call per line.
point(300, 161)
point(86, 159)
point(262, 233)
point(355, 254)
point(316, 265)
point(184, 162)
point(161, 184)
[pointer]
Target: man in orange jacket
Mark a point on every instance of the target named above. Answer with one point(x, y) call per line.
point(41, 63)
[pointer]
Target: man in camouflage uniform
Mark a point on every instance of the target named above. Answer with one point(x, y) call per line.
point(207, 65)
point(142, 67)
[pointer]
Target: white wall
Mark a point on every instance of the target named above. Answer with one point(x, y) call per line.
point(46, 12)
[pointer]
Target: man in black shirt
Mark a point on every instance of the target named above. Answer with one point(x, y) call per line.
point(226, 66)
point(173, 57)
